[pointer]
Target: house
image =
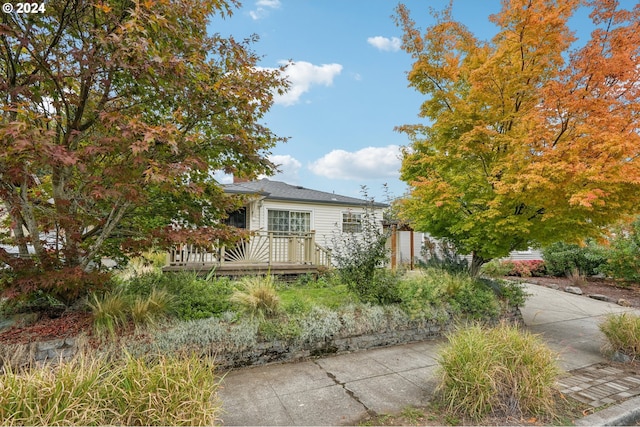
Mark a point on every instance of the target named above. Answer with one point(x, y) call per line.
point(292, 227)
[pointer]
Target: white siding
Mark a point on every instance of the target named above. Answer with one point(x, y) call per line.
point(403, 255)
point(531, 254)
point(326, 220)
point(528, 255)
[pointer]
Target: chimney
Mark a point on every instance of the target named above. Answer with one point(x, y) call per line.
point(239, 179)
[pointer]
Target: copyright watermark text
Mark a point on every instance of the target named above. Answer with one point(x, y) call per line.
point(20, 8)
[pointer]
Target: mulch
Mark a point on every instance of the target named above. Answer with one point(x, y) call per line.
point(48, 327)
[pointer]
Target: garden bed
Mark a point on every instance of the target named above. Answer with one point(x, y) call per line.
point(240, 354)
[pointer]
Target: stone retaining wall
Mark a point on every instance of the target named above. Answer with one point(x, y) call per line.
point(289, 351)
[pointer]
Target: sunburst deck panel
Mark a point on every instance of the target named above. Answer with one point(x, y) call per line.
point(261, 248)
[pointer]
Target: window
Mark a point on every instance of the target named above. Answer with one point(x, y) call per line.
point(237, 218)
point(351, 222)
point(288, 221)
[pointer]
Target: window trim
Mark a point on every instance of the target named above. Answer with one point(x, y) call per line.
point(353, 220)
point(305, 214)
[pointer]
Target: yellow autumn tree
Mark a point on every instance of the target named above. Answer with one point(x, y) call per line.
point(529, 140)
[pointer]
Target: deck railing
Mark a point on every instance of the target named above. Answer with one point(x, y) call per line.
point(259, 248)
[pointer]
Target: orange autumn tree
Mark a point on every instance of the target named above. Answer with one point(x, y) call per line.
point(529, 140)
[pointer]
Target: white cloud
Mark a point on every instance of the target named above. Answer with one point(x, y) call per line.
point(367, 163)
point(392, 44)
point(223, 178)
point(288, 168)
point(302, 76)
point(274, 4)
point(262, 8)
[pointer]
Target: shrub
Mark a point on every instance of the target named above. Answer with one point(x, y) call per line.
point(472, 298)
point(319, 324)
point(205, 336)
point(561, 258)
point(623, 334)
point(95, 391)
point(496, 268)
point(422, 295)
point(359, 254)
point(436, 288)
point(444, 255)
point(257, 296)
point(623, 254)
point(26, 281)
point(195, 297)
point(281, 328)
point(509, 293)
point(381, 289)
point(526, 268)
point(502, 371)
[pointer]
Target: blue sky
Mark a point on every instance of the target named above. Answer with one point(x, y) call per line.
point(349, 87)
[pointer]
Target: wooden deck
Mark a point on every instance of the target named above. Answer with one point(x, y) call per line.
point(285, 254)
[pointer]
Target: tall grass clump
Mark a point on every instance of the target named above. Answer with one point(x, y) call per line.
point(257, 296)
point(94, 391)
point(148, 310)
point(497, 371)
point(623, 334)
point(109, 311)
point(113, 310)
point(164, 391)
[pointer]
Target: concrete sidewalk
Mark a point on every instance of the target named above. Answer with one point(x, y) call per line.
point(340, 390)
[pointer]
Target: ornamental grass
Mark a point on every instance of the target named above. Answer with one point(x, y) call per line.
point(90, 390)
point(497, 371)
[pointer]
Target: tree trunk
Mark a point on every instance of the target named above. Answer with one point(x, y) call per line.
point(20, 238)
point(476, 263)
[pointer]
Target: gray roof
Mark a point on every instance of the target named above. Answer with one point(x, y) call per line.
point(277, 190)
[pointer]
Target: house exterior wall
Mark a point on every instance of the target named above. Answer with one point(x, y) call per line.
point(403, 254)
point(528, 255)
point(326, 220)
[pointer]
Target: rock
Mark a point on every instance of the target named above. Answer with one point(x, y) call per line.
point(620, 357)
point(600, 297)
point(19, 320)
point(573, 290)
point(623, 302)
point(554, 286)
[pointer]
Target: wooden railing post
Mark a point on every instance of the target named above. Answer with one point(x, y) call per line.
point(290, 249)
point(310, 244)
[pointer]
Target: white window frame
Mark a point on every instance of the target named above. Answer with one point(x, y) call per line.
point(351, 222)
point(296, 221)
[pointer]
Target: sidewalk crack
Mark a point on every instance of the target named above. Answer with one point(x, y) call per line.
point(350, 393)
